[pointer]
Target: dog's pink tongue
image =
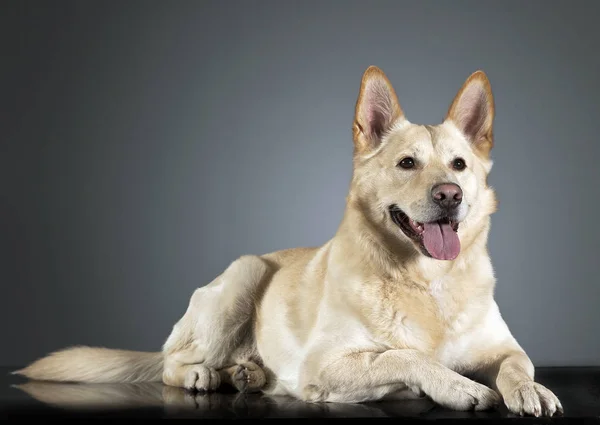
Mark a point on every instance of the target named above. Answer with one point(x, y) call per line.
point(441, 241)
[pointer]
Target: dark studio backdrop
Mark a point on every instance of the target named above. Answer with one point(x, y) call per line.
point(147, 144)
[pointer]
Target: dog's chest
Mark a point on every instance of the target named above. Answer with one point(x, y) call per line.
point(426, 319)
point(447, 303)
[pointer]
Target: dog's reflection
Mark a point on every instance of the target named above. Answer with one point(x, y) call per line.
point(180, 402)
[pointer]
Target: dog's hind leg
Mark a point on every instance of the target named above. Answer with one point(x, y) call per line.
point(183, 370)
point(215, 327)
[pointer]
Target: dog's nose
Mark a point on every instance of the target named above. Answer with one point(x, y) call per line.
point(447, 195)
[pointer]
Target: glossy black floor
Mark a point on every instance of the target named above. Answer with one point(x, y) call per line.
point(577, 388)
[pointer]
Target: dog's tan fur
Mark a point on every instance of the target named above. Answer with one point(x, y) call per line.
point(367, 315)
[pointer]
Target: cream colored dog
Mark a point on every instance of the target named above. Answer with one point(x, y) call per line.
point(399, 303)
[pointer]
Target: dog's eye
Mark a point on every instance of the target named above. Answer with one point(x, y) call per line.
point(407, 163)
point(459, 164)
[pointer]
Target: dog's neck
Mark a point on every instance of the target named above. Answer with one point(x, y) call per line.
point(396, 258)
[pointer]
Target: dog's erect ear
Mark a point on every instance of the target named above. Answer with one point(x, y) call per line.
point(377, 109)
point(472, 111)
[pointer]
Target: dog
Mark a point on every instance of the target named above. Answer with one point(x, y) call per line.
point(398, 304)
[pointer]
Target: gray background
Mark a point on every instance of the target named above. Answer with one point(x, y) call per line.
point(147, 144)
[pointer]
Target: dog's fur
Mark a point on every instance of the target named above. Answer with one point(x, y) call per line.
point(370, 314)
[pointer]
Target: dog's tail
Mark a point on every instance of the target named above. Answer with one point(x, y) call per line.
point(96, 365)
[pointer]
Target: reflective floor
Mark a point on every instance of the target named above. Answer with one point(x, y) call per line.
point(577, 388)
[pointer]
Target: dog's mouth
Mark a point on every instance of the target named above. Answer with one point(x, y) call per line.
point(437, 239)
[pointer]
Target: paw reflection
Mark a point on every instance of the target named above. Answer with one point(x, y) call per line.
point(179, 402)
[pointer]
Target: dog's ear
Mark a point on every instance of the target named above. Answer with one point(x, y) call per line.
point(472, 111)
point(377, 109)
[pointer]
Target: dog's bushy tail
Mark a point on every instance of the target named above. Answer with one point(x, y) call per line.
point(96, 365)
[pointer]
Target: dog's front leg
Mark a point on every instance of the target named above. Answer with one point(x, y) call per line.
point(370, 376)
point(512, 374)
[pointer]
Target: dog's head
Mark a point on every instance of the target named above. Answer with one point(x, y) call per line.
point(425, 185)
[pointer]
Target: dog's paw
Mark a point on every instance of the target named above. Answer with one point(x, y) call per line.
point(418, 392)
point(202, 378)
point(314, 393)
point(248, 377)
point(531, 398)
point(464, 394)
